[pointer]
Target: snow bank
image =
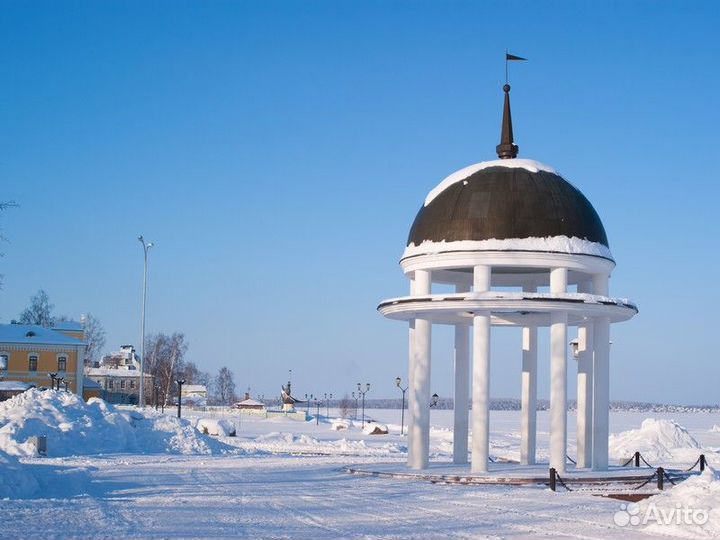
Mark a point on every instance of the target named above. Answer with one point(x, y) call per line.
point(16, 480)
point(375, 429)
point(73, 427)
point(289, 443)
point(655, 440)
point(699, 494)
point(217, 428)
point(339, 424)
point(70, 425)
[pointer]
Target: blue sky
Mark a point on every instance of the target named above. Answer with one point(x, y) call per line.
point(277, 152)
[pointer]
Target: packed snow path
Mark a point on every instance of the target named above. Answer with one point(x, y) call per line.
point(132, 496)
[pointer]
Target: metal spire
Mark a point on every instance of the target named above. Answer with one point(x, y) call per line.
point(507, 149)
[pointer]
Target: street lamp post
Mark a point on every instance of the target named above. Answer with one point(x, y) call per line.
point(52, 380)
point(156, 395)
point(356, 398)
point(146, 248)
point(317, 413)
point(180, 383)
point(307, 403)
point(398, 380)
point(362, 394)
point(327, 405)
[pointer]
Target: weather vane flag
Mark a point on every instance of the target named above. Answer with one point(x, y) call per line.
point(511, 58)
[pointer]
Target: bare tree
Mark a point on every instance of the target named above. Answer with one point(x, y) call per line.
point(193, 375)
point(39, 311)
point(95, 338)
point(165, 361)
point(346, 406)
point(225, 387)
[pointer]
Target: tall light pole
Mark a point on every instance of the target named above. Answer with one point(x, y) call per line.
point(398, 380)
point(361, 393)
point(146, 248)
point(327, 405)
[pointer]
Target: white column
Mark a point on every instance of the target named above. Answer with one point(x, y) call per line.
point(411, 378)
point(419, 391)
point(528, 414)
point(528, 396)
point(584, 389)
point(601, 394)
point(558, 375)
point(462, 389)
point(481, 377)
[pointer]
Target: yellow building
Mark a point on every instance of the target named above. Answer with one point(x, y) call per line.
point(29, 353)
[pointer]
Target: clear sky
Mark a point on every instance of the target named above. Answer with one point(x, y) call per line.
point(277, 152)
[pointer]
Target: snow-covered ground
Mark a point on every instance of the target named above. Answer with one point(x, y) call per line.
point(282, 478)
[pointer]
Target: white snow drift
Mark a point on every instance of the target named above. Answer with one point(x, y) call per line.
point(73, 427)
point(656, 440)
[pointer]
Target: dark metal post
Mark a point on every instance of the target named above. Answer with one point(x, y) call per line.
point(702, 462)
point(398, 380)
point(661, 479)
point(180, 383)
point(553, 478)
point(317, 414)
point(637, 459)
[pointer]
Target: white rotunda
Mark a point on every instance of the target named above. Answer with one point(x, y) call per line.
point(523, 247)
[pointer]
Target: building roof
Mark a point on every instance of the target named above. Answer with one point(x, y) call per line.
point(33, 334)
point(113, 372)
point(194, 388)
point(68, 326)
point(249, 403)
point(90, 384)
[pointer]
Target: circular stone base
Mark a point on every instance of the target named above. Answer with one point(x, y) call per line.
point(512, 474)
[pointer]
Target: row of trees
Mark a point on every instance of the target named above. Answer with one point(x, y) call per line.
point(165, 361)
point(164, 354)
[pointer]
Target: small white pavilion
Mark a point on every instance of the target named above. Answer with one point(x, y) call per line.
point(524, 248)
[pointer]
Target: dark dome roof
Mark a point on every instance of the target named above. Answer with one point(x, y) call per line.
point(505, 202)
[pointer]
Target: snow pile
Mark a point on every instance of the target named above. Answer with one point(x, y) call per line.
point(289, 443)
point(655, 440)
point(217, 428)
point(70, 425)
point(73, 427)
point(16, 480)
point(714, 429)
point(374, 428)
point(689, 510)
point(340, 424)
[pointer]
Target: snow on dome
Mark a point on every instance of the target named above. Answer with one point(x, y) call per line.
point(552, 244)
point(454, 178)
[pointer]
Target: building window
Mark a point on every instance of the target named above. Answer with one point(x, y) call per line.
point(62, 363)
point(32, 362)
point(122, 384)
point(4, 361)
point(132, 384)
point(110, 384)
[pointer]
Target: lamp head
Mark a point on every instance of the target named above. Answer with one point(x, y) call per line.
point(435, 399)
point(367, 387)
point(398, 380)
